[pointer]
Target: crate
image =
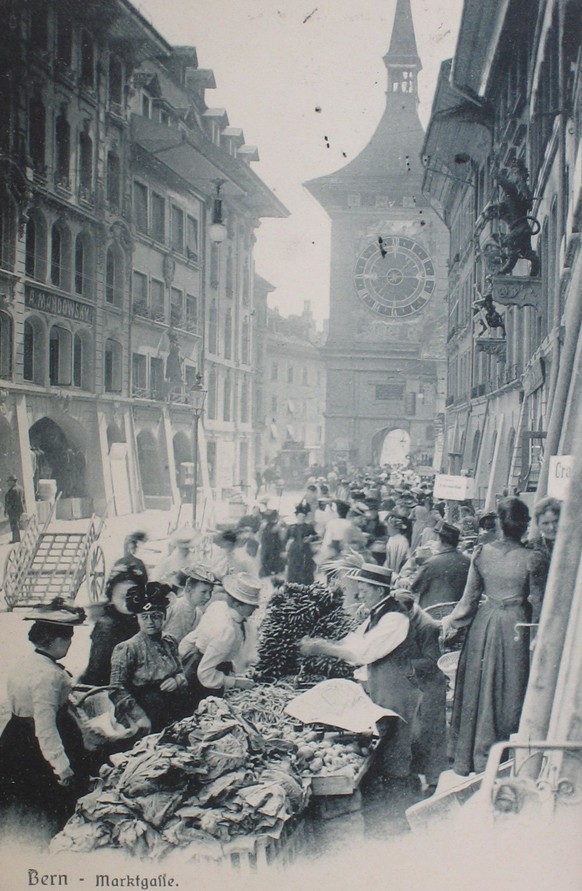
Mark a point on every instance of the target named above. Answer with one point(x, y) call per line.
point(340, 784)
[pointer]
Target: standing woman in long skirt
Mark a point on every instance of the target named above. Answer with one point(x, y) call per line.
point(494, 662)
point(43, 769)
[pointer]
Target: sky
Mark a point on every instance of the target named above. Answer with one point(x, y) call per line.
point(275, 62)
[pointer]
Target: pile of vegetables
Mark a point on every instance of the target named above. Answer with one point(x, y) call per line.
point(194, 790)
point(297, 611)
point(327, 754)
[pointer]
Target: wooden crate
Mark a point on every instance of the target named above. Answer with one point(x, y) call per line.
point(340, 784)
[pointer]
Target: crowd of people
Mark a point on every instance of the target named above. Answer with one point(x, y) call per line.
point(418, 575)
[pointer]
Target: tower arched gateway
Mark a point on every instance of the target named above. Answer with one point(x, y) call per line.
point(391, 446)
point(385, 351)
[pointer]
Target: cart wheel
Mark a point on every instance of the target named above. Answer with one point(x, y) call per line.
point(95, 574)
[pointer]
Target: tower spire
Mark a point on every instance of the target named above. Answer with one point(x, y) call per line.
point(402, 60)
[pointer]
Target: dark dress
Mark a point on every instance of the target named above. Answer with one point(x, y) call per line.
point(494, 663)
point(300, 563)
point(40, 728)
point(111, 629)
point(272, 561)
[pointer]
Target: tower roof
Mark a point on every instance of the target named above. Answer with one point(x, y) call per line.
point(403, 49)
point(390, 162)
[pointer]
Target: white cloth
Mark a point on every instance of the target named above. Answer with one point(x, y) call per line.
point(37, 689)
point(369, 645)
point(220, 638)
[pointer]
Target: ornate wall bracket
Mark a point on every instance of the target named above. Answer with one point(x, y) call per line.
point(517, 290)
point(493, 346)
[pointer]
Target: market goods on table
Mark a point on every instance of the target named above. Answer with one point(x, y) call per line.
point(190, 790)
point(296, 611)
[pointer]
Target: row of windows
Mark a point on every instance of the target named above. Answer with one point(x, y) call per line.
point(305, 377)
point(245, 342)
point(228, 397)
point(149, 301)
point(53, 256)
point(152, 217)
point(74, 52)
point(59, 356)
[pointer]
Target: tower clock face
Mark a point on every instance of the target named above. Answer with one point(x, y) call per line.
point(394, 279)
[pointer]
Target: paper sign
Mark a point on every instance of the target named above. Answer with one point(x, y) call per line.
point(338, 703)
point(453, 488)
point(559, 475)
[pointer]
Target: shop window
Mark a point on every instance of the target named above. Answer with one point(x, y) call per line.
point(228, 335)
point(87, 61)
point(113, 182)
point(244, 400)
point(114, 274)
point(192, 238)
point(139, 372)
point(113, 367)
point(63, 152)
point(77, 361)
point(158, 300)
point(213, 328)
point(38, 24)
point(6, 336)
point(191, 313)
point(246, 342)
point(140, 207)
point(176, 307)
point(178, 229)
point(64, 39)
point(60, 356)
point(158, 217)
point(85, 165)
point(227, 406)
point(212, 394)
point(37, 133)
point(115, 82)
point(60, 245)
point(157, 377)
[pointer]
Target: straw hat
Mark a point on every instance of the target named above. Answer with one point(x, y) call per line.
point(372, 574)
point(243, 587)
point(57, 612)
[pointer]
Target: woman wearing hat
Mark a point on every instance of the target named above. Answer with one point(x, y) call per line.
point(300, 563)
point(214, 651)
point(116, 624)
point(184, 614)
point(148, 665)
point(42, 765)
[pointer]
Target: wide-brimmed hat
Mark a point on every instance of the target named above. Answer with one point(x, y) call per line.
point(153, 598)
point(372, 574)
point(243, 587)
point(198, 572)
point(448, 532)
point(57, 612)
point(302, 509)
point(126, 570)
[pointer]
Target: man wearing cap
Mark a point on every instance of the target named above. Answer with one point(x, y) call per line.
point(182, 617)
point(214, 651)
point(442, 578)
point(14, 506)
point(380, 646)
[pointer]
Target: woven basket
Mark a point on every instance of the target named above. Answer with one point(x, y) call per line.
point(440, 610)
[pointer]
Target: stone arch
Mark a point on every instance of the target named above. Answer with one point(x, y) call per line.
point(60, 454)
point(391, 445)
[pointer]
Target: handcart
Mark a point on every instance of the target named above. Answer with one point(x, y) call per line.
point(45, 565)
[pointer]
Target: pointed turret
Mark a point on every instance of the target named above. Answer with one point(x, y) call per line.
point(389, 167)
point(402, 59)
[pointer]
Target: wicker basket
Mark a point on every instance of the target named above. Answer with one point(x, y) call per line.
point(440, 610)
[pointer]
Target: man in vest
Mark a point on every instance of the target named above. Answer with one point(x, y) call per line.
point(380, 647)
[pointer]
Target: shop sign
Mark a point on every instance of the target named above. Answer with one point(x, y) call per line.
point(454, 488)
point(36, 298)
point(559, 475)
point(534, 377)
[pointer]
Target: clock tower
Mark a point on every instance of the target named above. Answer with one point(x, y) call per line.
point(385, 352)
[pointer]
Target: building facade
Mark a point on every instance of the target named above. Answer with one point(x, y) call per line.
point(503, 163)
point(294, 394)
point(385, 353)
point(110, 160)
